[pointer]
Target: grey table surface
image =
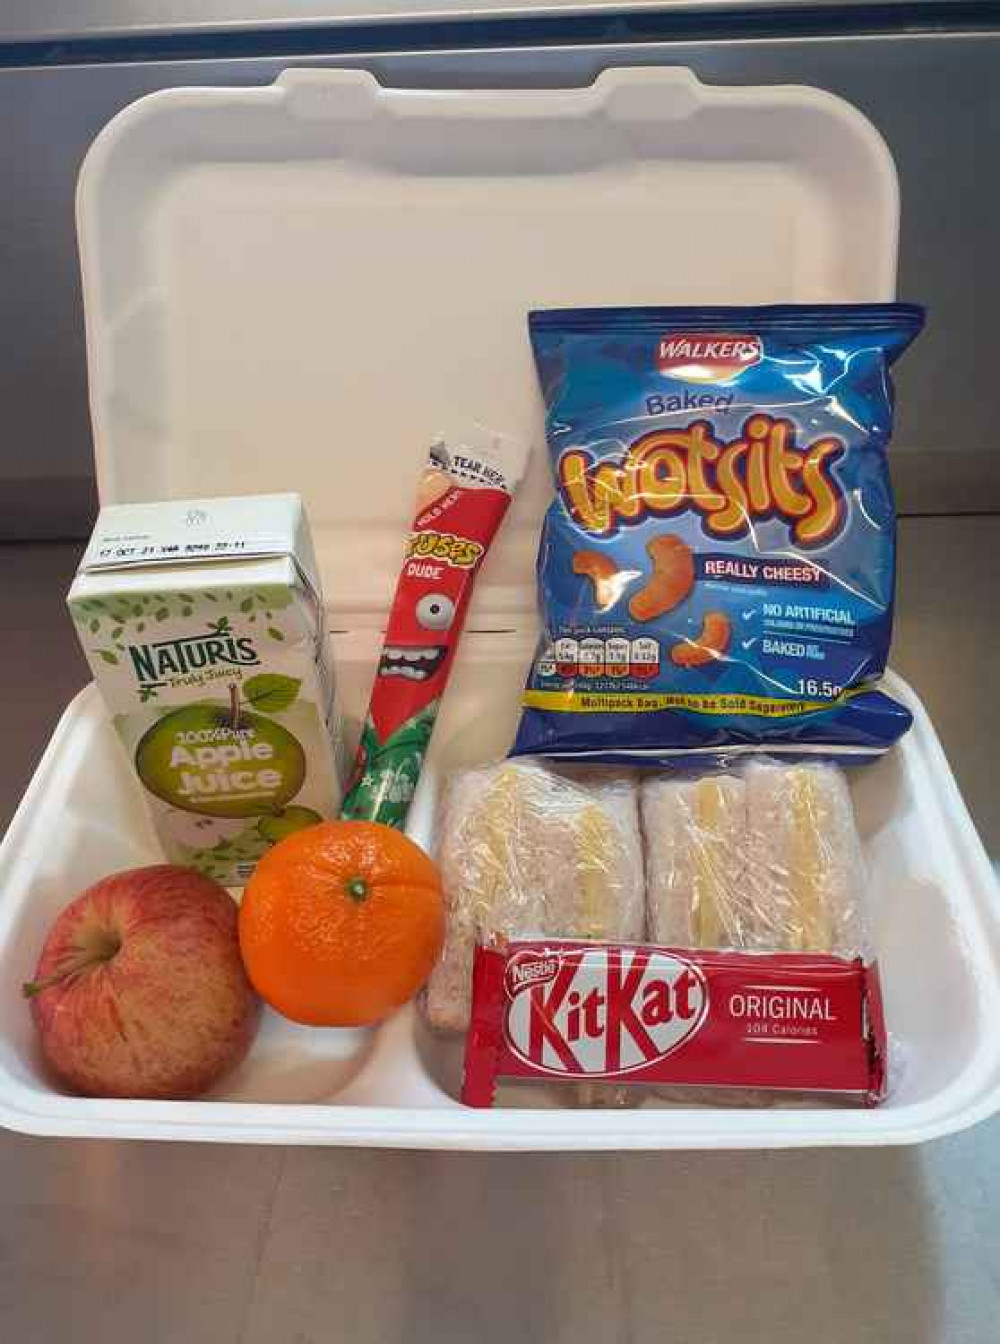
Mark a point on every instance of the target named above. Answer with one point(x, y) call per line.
point(233, 1245)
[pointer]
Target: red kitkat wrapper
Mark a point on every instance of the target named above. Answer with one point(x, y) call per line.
point(562, 1010)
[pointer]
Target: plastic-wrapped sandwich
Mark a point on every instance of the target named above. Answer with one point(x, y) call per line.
point(485, 840)
point(765, 860)
point(696, 854)
point(601, 893)
point(526, 852)
point(805, 872)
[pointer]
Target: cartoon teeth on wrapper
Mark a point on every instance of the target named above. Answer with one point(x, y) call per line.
point(464, 493)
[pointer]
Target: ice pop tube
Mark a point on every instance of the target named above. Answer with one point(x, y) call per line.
point(464, 493)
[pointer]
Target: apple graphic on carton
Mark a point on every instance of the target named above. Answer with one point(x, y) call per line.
point(221, 761)
point(140, 990)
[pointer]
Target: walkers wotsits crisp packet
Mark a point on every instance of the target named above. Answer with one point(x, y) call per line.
point(716, 571)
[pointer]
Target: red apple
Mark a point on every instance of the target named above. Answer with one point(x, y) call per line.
point(140, 990)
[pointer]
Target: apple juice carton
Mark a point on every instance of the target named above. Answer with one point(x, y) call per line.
point(203, 624)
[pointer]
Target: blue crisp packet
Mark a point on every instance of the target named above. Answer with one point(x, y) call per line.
point(716, 571)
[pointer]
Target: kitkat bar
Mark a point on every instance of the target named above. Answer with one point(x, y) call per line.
point(561, 1010)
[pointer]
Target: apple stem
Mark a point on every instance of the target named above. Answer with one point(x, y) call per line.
point(357, 888)
point(234, 706)
point(33, 987)
point(106, 951)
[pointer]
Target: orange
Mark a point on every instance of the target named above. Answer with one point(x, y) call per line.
point(341, 923)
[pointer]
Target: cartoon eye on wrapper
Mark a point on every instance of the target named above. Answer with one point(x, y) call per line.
point(436, 611)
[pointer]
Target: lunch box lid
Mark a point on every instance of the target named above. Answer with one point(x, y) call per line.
point(299, 286)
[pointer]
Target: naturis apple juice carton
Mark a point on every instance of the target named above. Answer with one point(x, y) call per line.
point(203, 623)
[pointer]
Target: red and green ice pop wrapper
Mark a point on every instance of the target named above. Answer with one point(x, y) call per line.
point(464, 493)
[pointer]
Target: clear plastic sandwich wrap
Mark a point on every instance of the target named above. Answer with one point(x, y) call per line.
point(765, 858)
point(753, 882)
point(528, 852)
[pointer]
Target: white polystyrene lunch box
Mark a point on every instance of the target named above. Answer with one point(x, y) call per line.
point(296, 287)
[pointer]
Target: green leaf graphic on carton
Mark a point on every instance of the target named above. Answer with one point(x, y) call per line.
point(239, 852)
point(270, 692)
